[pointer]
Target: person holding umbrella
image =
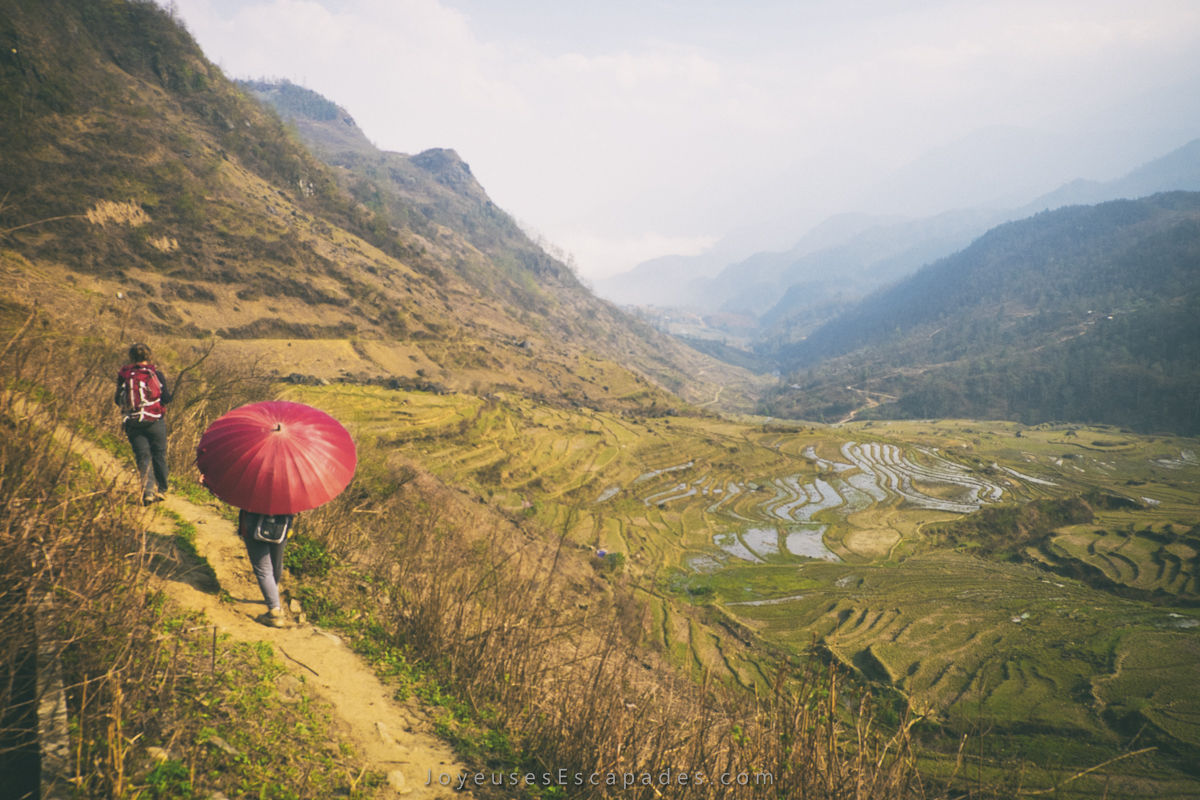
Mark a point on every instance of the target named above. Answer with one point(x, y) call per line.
point(274, 460)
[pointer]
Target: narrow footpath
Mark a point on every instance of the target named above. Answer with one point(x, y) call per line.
point(390, 737)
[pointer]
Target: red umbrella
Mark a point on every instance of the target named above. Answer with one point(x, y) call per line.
point(276, 457)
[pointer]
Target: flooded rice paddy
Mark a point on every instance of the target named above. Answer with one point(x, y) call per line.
point(783, 522)
point(1187, 458)
point(757, 544)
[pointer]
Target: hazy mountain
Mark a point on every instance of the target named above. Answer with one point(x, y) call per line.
point(874, 256)
point(746, 286)
point(664, 281)
point(846, 257)
point(996, 168)
point(880, 255)
point(1008, 167)
point(1177, 170)
point(1087, 313)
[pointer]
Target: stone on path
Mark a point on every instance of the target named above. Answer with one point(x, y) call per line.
point(395, 779)
point(385, 734)
point(289, 687)
point(158, 754)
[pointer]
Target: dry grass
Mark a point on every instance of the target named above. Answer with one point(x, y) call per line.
point(106, 211)
point(543, 672)
point(76, 575)
point(208, 385)
point(82, 619)
point(163, 244)
point(537, 661)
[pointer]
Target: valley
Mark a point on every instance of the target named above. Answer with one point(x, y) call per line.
point(1074, 640)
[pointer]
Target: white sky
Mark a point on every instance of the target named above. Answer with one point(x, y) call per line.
point(627, 129)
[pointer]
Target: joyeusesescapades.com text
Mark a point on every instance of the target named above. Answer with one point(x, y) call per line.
point(623, 780)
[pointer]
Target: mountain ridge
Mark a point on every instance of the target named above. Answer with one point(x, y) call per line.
point(436, 187)
point(163, 198)
point(744, 287)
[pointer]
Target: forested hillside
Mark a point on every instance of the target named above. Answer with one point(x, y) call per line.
point(1088, 313)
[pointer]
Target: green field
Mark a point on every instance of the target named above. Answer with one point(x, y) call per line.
point(750, 539)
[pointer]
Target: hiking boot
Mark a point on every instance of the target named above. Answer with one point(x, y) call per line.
point(274, 618)
point(150, 497)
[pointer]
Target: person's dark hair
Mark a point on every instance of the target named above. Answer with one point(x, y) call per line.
point(139, 352)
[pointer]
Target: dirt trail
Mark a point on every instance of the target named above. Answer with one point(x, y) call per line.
point(387, 736)
point(716, 397)
point(871, 402)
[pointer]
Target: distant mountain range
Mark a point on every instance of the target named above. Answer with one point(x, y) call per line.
point(1179, 169)
point(1085, 313)
point(881, 255)
point(850, 255)
point(145, 193)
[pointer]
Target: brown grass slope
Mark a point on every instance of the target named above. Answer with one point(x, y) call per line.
point(435, 189)
point(144, 190)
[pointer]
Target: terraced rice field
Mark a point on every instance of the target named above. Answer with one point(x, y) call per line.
point(784, 533)
point(953, 632)
point(1163, 561)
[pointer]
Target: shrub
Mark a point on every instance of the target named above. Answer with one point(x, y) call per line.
point(306, 557)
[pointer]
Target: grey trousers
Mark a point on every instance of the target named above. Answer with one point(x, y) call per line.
point(267, 561)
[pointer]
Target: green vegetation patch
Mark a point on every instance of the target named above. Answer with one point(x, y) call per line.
point(1155, 679)
point(238, 723)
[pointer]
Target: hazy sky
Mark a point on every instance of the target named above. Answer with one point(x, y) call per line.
point(628, 129)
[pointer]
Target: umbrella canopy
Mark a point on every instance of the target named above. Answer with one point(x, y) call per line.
point(276, 457)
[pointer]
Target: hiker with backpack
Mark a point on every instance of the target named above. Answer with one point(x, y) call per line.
point(142, 395)
point(265, 536)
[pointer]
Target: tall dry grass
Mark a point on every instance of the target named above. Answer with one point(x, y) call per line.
point(75, 591)
point(82, 617)
point(494, 614)
point(206, 384)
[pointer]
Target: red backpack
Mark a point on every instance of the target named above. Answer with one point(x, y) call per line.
point(140, 392)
